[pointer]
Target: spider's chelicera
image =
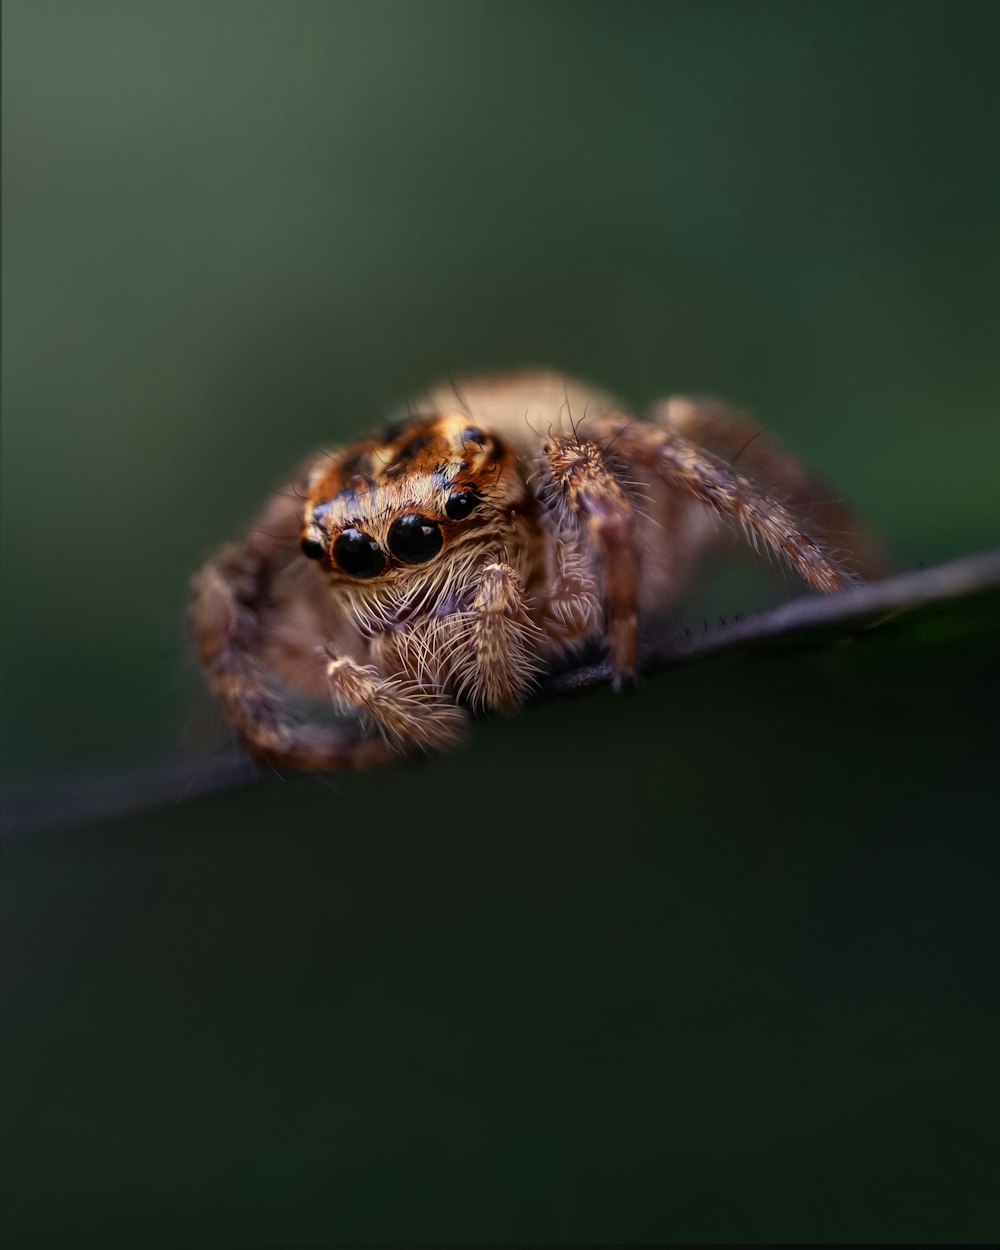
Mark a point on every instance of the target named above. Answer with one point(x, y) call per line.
point(439, 567)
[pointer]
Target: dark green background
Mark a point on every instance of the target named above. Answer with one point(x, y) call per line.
point(714, 962)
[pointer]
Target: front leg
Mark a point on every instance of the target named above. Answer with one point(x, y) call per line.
point(228, 634)
point(596, 504)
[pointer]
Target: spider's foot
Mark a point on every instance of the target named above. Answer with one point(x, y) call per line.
point(625, 683)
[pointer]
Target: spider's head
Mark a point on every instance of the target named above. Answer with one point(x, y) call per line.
point(382, 508)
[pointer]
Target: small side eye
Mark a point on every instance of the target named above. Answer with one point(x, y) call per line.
point(460, 503)
point(313, 549)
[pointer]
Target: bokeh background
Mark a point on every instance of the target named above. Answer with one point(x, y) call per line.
point(716, 962)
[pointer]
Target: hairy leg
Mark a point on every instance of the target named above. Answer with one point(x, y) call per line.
point(744, 445)
point(227, 634)
point(596, 502)
point(732, 495)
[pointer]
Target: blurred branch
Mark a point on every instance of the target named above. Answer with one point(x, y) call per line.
point(803, 623)
point(809, 622)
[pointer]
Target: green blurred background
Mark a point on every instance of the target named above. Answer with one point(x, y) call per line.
point(714, 962)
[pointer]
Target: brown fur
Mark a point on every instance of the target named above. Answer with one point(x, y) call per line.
point(561, 520)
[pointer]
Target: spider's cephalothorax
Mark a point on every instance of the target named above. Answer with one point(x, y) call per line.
point(440, 566)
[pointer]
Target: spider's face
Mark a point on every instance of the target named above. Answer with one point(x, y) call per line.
point(386, 507)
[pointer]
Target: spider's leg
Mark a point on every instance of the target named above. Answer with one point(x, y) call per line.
point(497, 664)
point(596, 501)
point(741, 442)
point(227, 634)
point(404, 711)
point(733, 496)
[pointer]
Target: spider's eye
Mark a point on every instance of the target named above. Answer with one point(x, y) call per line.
point(460, 503)
point(313, 549)
point(414, 538)
point(358, 554)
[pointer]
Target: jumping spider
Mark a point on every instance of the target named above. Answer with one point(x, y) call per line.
point(440, 566)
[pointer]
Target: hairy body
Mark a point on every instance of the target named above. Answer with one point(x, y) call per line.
point(436, 568)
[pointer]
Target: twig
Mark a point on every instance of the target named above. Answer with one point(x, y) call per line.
point(806, 622)
point(858, 609)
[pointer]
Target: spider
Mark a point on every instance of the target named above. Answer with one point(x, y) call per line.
point(437, 568)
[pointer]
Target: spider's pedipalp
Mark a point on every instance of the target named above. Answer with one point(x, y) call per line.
point(501, 659)
point(404, 712)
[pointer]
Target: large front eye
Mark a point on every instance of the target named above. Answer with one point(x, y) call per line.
point(414, 538)
point(358, 554)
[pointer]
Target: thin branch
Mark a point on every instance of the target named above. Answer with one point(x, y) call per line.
point(808, 622)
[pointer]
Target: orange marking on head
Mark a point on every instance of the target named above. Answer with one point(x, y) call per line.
point(424, 486)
